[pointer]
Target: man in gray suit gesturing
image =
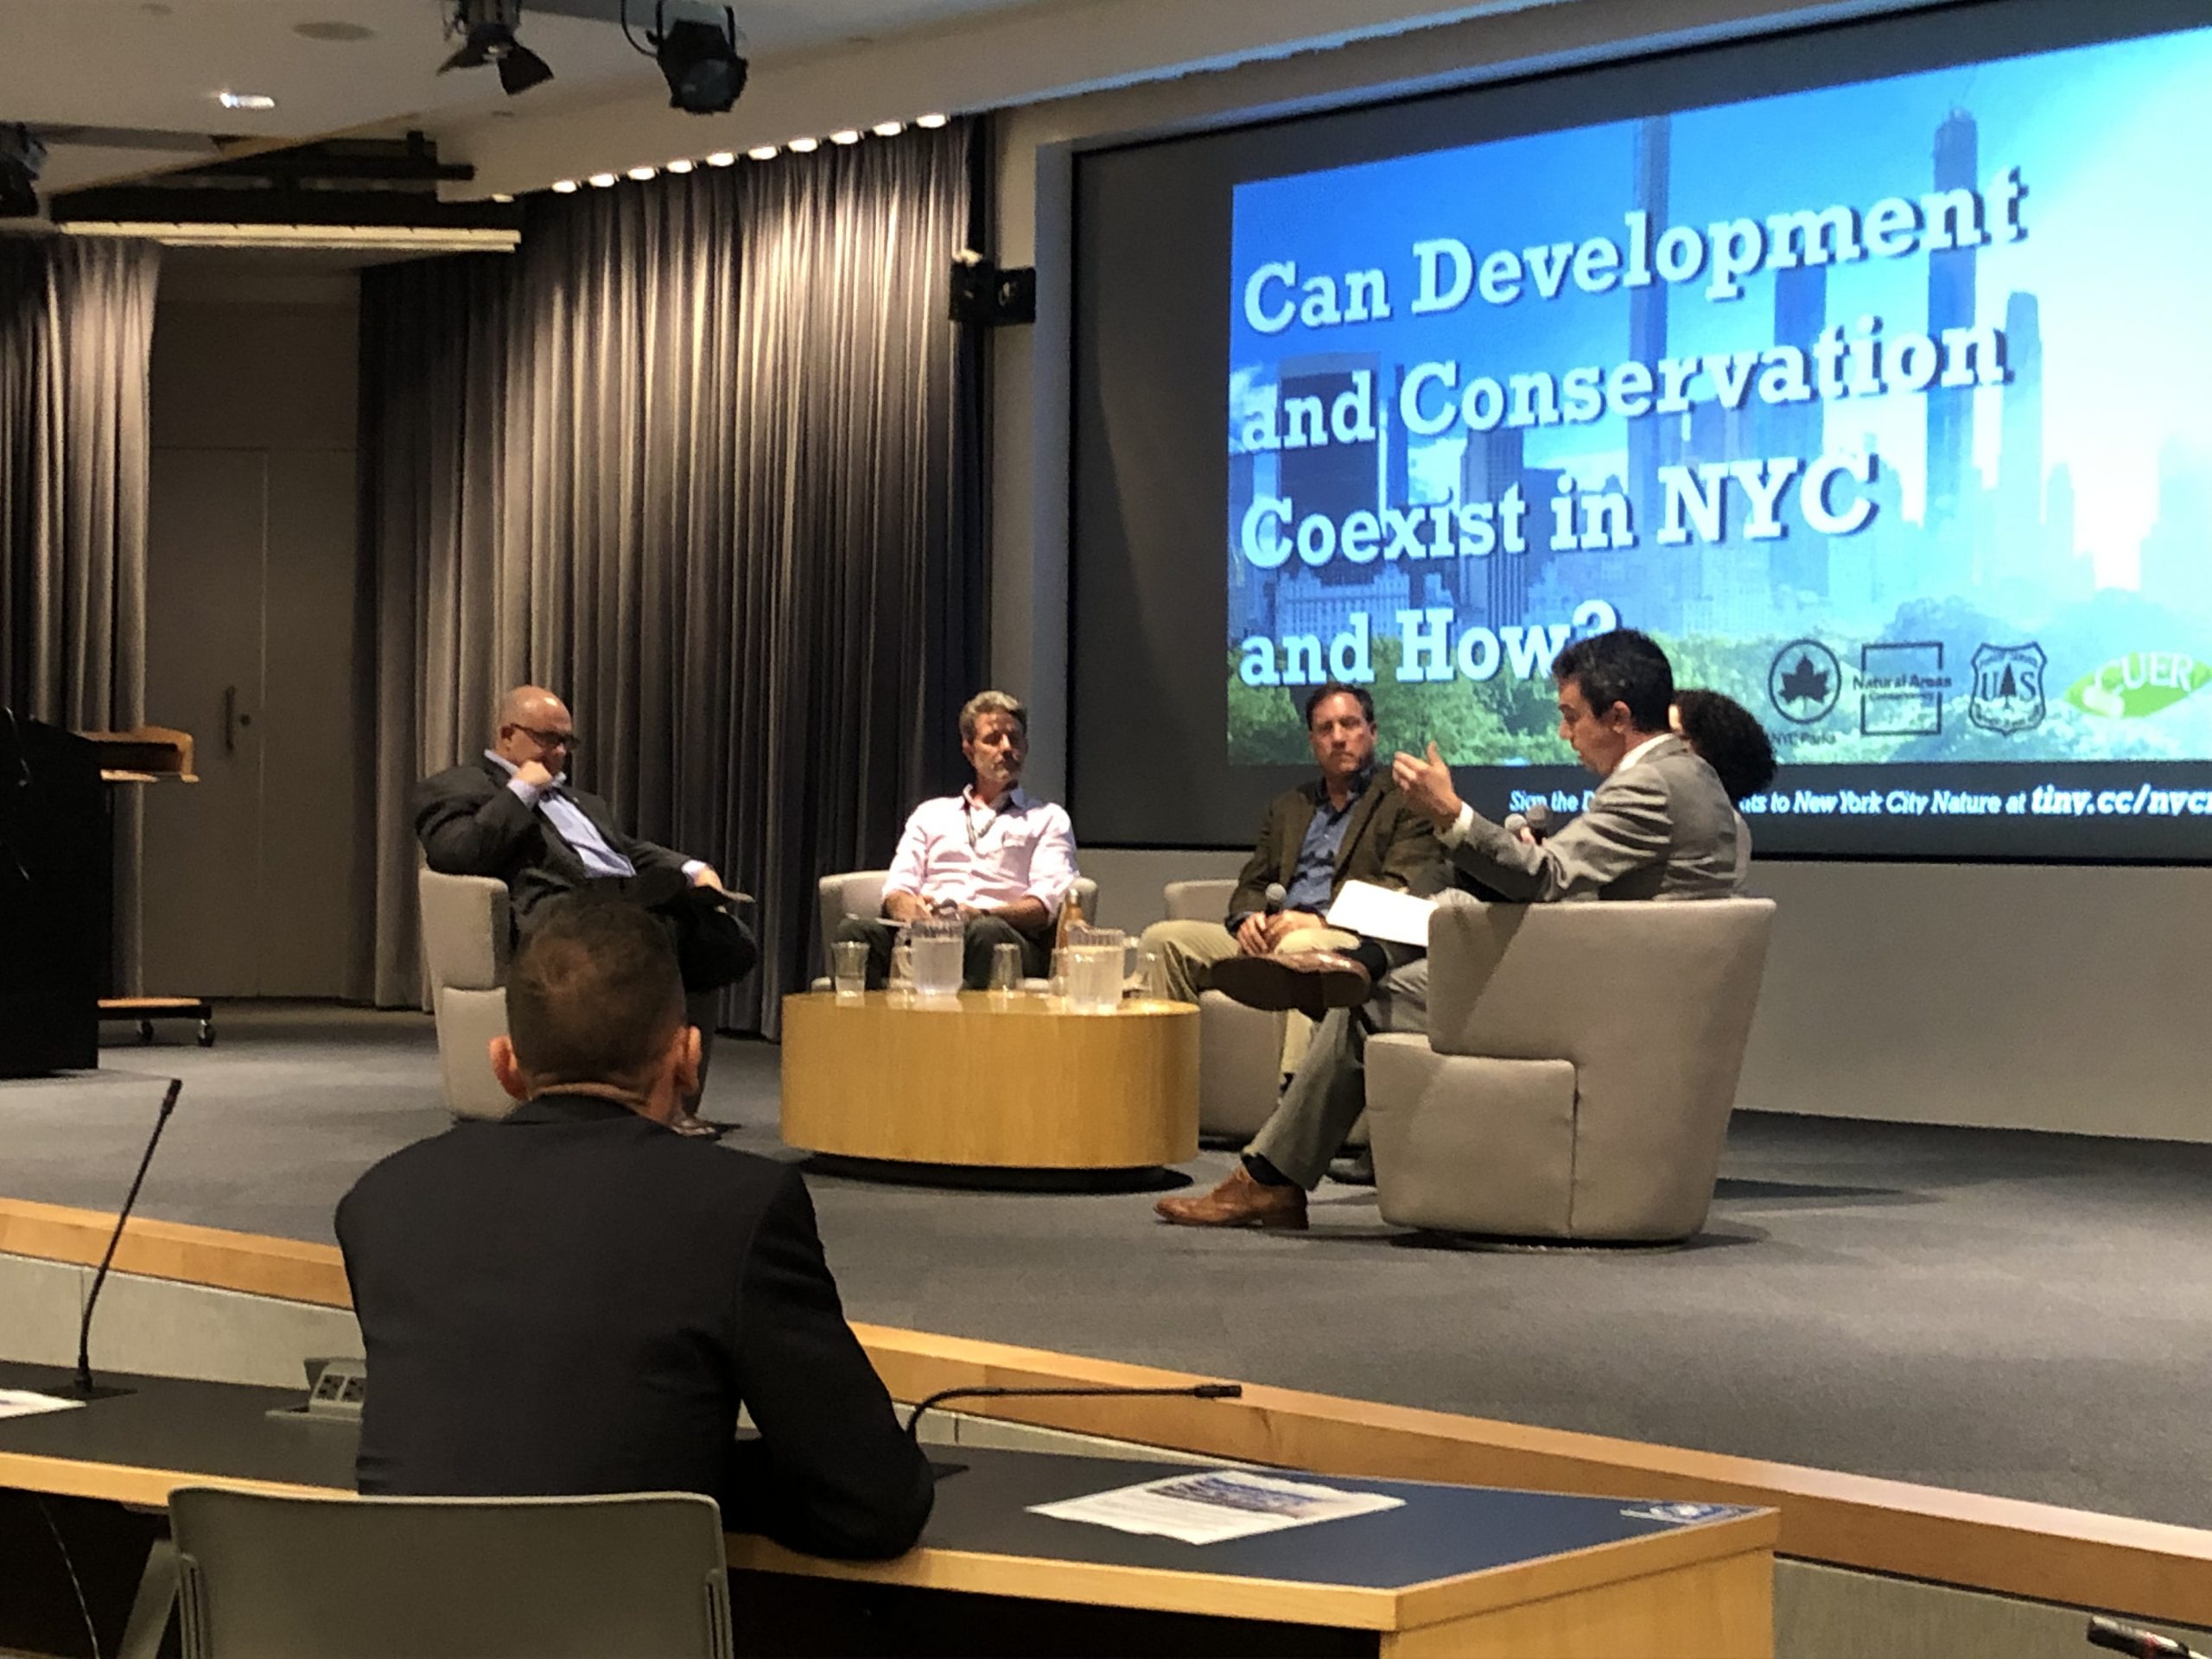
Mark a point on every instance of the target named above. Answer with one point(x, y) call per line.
point(1660, 826)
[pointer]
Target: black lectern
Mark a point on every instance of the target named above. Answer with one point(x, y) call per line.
point(54, 899)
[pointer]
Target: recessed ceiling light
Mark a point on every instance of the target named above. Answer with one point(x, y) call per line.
point(847, 136)
point(931, 120)
point(803, 146)
point(889, 129)
point(762, 152)
point(501, 198)
point(641, 173)
point(602, 180)
point(680, 166)
point(722, 158)
point(246, 100)
point(564, 186)
point(333, 29)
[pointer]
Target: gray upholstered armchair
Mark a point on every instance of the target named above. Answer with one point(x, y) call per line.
point(860, 892)
point(1240, 1049)
point(467, 936)
point(1578, 1072)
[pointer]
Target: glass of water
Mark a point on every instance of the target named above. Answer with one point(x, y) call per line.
point(902, 974)
point(1006, 971)
point(848, 968)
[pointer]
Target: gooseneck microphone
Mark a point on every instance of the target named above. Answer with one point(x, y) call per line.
point(1192, 1391)
point(2126, 1639)
point(81, 1386)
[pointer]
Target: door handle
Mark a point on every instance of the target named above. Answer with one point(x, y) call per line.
point(233, 721)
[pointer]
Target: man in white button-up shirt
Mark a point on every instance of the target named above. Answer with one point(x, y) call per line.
point(992, 855)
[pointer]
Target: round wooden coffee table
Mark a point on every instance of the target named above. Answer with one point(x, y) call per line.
point(984, 1084)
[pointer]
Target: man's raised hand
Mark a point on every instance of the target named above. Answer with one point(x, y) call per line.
point(1426, 782)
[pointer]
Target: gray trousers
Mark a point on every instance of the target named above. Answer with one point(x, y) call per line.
point(1328, 1091)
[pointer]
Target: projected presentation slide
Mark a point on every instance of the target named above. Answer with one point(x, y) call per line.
point(1886, 407)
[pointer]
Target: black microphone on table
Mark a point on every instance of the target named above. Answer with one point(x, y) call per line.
point(2126, 1639)
point(1536, 820)
point(1192, 1391)
point(81, 1386)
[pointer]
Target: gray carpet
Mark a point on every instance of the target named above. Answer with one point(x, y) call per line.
point(2001, 1313)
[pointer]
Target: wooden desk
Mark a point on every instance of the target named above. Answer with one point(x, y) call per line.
point(1457, 1571)
point(986, 1083)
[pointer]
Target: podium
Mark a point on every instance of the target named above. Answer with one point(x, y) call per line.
point(145, 754)
point(54, 899)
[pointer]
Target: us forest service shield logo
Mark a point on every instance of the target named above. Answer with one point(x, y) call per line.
point(2007, 689)
point(1804, 680)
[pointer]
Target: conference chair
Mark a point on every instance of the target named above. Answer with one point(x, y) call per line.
point(264, 1577)
point(1578, 1072)
point(467, 937)
point(860, 892)
point(1240, 1049)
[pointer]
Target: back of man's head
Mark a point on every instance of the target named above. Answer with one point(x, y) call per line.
point(1621, 665)
point(594, 994)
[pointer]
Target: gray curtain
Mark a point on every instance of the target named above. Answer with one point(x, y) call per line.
point(705, 456)
point(76, 336)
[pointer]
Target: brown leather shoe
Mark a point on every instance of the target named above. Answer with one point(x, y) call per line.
point(1310, 983)
point(1240, 1201)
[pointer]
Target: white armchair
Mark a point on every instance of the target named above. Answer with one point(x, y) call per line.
point(1578, 1070)
point(1240, 1049)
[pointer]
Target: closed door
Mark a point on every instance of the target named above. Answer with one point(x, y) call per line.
point(250, 887)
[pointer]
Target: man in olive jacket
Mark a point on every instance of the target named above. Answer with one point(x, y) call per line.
point(1350, 824)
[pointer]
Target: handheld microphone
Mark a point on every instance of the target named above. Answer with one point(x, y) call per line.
point(2147, 1644)
point(1536, 820)
point(81, 1386)
point(1193, 1391)
point(1275, 894)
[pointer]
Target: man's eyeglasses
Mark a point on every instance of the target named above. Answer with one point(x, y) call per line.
point(568, 740)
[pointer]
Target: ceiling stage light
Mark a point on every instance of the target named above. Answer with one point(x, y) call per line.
point(22, 154)
point(489, 28)
point(803, 146)
point(698, 58)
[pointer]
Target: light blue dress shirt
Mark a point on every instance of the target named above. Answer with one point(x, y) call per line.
point(578, 830)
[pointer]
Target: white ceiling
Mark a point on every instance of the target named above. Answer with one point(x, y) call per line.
point(157, 65)
point(818, 65)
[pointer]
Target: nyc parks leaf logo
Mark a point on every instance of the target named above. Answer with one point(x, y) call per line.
point(2138, 684)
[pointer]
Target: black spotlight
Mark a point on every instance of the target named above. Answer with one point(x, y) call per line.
point(22, 154)
point(699, 62)
point(489, 28)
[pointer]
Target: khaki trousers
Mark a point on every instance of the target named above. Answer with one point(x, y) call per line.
point(1187, 951)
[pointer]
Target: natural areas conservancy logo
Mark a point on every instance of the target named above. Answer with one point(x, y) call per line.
point(2007, 689)
point(2138, 684)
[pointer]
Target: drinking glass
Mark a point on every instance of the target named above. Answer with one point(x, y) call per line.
point(1056, 994)
point(1006, 971)
point(1144, 985)
point(902, 974)
point(848, 968)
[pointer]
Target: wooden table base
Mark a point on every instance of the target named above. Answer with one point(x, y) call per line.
point(1004, 1084)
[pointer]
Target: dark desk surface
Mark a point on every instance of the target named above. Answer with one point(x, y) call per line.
point(134, 1448)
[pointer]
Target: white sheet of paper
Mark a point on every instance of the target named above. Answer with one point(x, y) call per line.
point(1217, 1505)
point(21, 1403)
point(1382, 913)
